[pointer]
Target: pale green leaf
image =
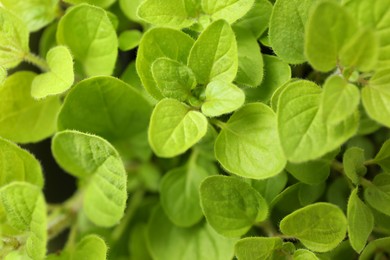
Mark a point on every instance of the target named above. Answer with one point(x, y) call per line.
point(377, 247)
point(360, 222)
point(175, 80)
point(90, 247)
point(222, 98)
point(94, 161)
point(229, 10)
point(60, 77)
point(231, 206)
point(320, 226)
point(3, 74)
point(353, 162)
point(101, 3)
point(19, 111)
point(378, 194)
point(167, 241)
point(97, 51)
point(129, 40)
point(14, 39)
point(257, 248)
point(159, 43)
point(248, 144)
point(174, 128)
point(129, 8)
point(303, 254)
point(214, 54)
point(383, 156)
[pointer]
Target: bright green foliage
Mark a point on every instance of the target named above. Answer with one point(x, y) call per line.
point(128, 40)
point(93, 160)
point(383, 156)
point(175, 80)
point(376, 97)
point(25, 211)
point(377, 247)
point(222, 98)
point(248, 144)
point(36, 14)
point(329, 29)
point(17, 164)
point(158, 43)
point(258, 248)
point(339, 100)
point(320, 226)
point(378, 194)
point(19, 111)
point(129, 8)
point(193, 243)
point(360, 221)
point(229, 10)
point(60, 77)
point(353, 162)
point(287, 27)
point(174, 128)
point(183, 210)
point(101, 3)
point(3, 74)
point(303, 254)
point(231, 206)
point(13, 39)
point(97, 51)
point(214, 54)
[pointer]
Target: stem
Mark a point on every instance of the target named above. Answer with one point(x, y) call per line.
point(269, 228)
point(37, 61)
point(365, 183)
point(369, 162)
point(217, 123)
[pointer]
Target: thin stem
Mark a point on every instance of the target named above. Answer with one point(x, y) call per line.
point(37, 61)
point(365, 183)
point(269, 228)
point(370, 162)
point(217, 122)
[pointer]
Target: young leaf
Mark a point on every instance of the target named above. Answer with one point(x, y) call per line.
point(248, 144)
point(60, 77)
point(360, 222)
point(383, 156)
point(214, 54)
point(320, 226)
point(130, 8)
point(98, 165)
point(101, 3)
point(329, 28)
point(375, 248)
point(167, 241)
point(175, 80)
point(251, 248)
point(174, 128)
point(231, 206)
point(92, 247)
point(13, 39)
point(378, 195)
point(98, 50)
point(287, 27)
point(19, 111)
point(107, 107)
point(25, 211)
point(159, 43)
point(36, 14)
point(129, 40)
point(376, 97)
point(353, 162)
point(222, 98)
point(303, 254)
point(339, 100)
point(16, 164)
point(229, 10)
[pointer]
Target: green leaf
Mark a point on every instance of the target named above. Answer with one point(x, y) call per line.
point(339, 100)
point(94, 161)
point(60, 77)
point(303, 254)
point(100, 3)
point(36, 14)
point(257, 248)
point(98, 50)
point(129, 40)
point(376, 97)
point(376, 248)
point(171, 13)
point(14, 37)
point(183, 210)
point(16, 164)
point(159, 43)
point(287, 27)
point(360, 222)
point(309, 194)
point(19, 111)
point(311, 172)
point(108, 107)
point(250, 60)
point(129, 8)
point(229, 10)
point(378, 194)
point(174, 128)
point(48, 39)
point(271, 187)
point(175, 80)
point(25, 211)
point(167, 241)
point(383, 156)
point(214, 54)
point(231, 206)
point(329, 28)
point(222, 98)
point(3, 74)
point(248, 144)
point(353, 162)
point(320, 226)
point(303, 133)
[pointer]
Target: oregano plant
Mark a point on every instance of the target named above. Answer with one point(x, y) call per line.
point(194, 129)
